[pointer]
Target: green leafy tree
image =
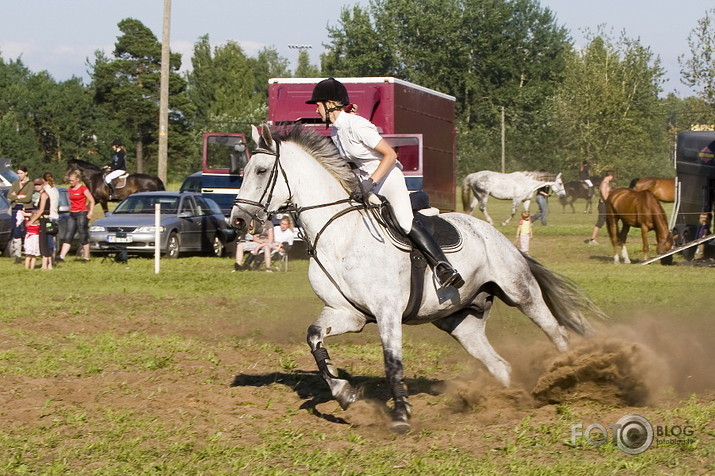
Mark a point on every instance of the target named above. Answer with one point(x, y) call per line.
point(489, 54)
point(699, 69)
point(268, 64)
point(42, 121)
point(126, 90)
point(222, 85)
point(304, 68)
point(608, 111)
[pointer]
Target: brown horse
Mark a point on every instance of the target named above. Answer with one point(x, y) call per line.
point(662, 188)
point(93, 178)
point(640, 209)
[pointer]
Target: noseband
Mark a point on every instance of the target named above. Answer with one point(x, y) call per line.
point(267, 195)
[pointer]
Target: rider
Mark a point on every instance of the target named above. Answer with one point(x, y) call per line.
point(358, 141)
point(584, 174)
point(117, 168)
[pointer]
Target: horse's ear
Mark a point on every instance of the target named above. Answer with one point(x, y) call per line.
point(262, 137)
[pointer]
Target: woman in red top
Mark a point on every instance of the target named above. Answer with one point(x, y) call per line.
point(81, 207)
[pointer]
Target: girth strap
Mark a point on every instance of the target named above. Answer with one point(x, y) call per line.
point(417, 285)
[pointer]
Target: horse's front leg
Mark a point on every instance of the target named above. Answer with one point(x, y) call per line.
point(333, 322)
point(391, 336)
point(622, 240)
point(644, 236)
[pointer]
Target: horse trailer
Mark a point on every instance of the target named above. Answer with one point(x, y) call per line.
point(223, 157)
point(419, 123)
point(695, 168)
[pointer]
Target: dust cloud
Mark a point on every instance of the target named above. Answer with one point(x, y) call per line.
point(631, 364)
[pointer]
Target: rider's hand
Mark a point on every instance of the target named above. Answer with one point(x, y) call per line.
point(363, 190)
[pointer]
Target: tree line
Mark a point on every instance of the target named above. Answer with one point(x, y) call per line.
point(500, 58)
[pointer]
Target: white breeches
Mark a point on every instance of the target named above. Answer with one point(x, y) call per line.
point(112, 175)
point(394, 188)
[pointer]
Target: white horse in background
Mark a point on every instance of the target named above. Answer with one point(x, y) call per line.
point(518, 187)
point(362, 277)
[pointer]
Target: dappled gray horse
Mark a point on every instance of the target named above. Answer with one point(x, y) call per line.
point(361, 277)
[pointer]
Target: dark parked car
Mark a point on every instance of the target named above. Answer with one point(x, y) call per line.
point(5, 225)
point(189, 223)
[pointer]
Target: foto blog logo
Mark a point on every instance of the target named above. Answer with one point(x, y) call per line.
point(633, 434)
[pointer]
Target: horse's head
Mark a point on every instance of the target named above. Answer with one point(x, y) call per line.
point(264, 188)
point(558, 187)
point(666, 244)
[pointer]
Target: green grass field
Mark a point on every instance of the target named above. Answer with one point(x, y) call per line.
point(112, 369)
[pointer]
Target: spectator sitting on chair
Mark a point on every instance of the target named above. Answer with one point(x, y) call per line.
point(283, 235)
point(242, 246)
point(265, 243)
point(253, 245)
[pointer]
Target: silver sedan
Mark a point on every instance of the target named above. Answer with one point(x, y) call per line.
point(188, 223)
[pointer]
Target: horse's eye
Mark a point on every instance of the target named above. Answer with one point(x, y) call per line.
point(261, 170)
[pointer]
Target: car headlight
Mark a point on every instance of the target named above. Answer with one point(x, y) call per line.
point(94, 228)
point(149, 229)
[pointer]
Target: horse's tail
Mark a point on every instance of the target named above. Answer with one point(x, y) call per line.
point(565, 300)
point(466, 194)
point(633, 183)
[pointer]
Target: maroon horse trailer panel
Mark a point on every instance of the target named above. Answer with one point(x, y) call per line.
point(417, 121)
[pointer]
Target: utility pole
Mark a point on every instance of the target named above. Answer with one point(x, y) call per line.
point(503, 142)
point(164, 94)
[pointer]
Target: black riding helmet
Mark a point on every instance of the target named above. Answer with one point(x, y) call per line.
point(329, 90)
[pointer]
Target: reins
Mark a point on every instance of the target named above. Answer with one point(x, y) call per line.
point(296, 212)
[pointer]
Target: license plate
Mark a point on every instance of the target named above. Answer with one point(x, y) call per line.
point(118, 238)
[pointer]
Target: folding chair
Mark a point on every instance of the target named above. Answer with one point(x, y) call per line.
point(278, 259)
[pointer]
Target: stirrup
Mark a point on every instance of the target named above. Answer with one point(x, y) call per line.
point(454, 279)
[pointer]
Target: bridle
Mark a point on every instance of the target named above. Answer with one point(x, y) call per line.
point(295, 212)
point(267, 196)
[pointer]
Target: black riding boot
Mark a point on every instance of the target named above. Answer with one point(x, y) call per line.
point(424, 241)
point(112, 191)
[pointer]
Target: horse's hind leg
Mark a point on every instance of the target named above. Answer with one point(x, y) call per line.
point(332, 322)
point(483, 207)
point(514, 206)
point(468, 327)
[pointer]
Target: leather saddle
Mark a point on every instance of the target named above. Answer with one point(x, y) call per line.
point(447, 236)
point(119, 182)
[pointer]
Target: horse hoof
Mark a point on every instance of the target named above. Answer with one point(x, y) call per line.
point(346, 396)
point(400, 427)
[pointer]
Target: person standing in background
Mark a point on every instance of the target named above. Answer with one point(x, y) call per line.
point(604, 190)
point(524, 232)
point(542, 197)
point(54, 213)
point(81, 208)
point(20, 196)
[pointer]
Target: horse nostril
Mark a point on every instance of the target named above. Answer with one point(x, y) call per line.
point(239, 223)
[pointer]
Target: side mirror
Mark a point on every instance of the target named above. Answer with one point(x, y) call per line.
point(186, 214)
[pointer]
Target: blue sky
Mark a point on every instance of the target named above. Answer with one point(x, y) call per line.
point(59, 35)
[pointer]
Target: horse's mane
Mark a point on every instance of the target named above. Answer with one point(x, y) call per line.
point(540, 176)
point(322, 149)
point(83, 164)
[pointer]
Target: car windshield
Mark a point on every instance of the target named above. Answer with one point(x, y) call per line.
point(134, 204)
point(9, 175)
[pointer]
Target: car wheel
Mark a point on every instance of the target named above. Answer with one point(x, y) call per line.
point(218, 247)
point(173, 245)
